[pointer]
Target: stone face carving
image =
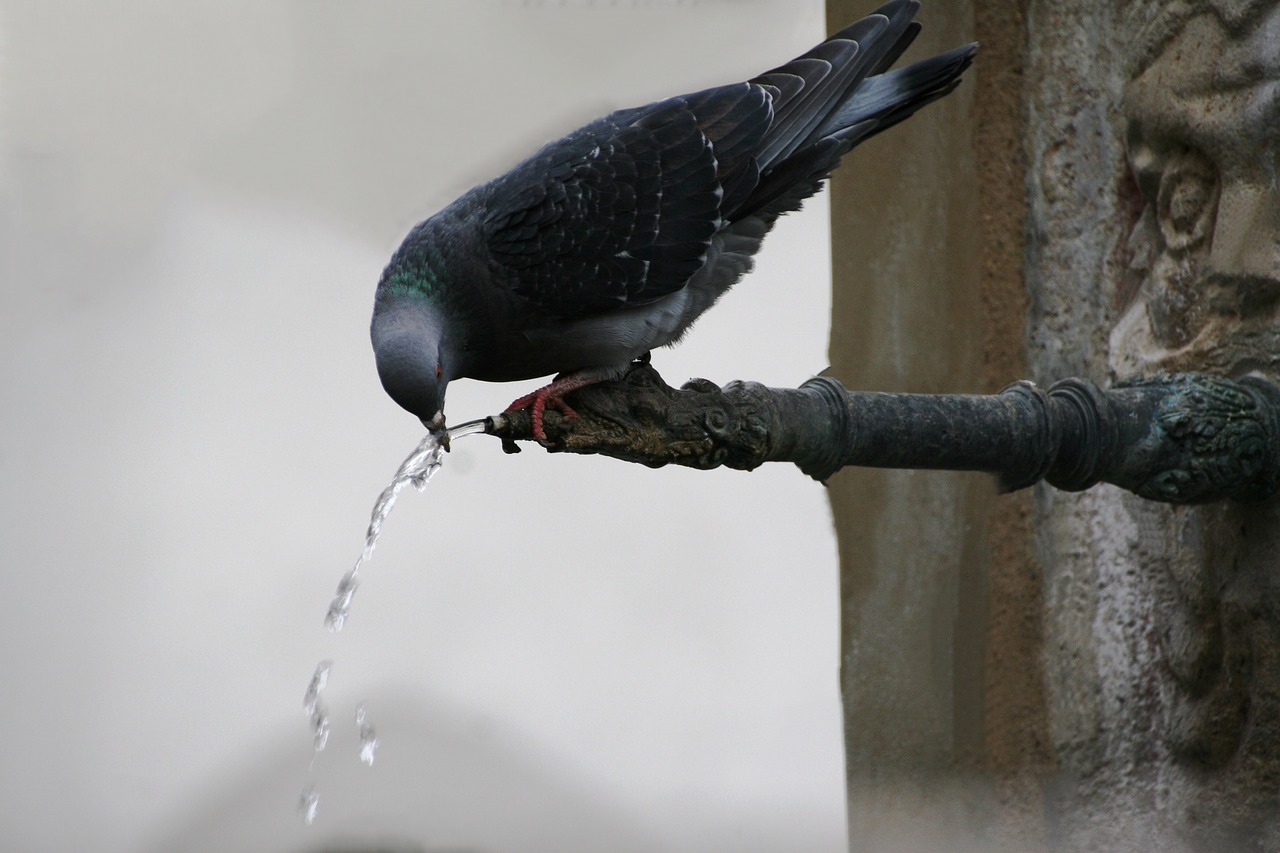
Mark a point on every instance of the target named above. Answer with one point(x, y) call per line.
point(1154, 136)
point(1203, 139)
point(1202, 292)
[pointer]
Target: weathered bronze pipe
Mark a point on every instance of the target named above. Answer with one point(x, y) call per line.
point(1182, 438)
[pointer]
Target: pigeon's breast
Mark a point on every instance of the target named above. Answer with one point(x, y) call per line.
point(609, 339)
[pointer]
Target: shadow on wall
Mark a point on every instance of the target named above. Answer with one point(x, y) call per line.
point(445, 779)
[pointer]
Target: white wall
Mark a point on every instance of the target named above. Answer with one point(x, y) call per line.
point(559, 653)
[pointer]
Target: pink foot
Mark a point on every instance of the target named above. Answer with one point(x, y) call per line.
point(552, 395)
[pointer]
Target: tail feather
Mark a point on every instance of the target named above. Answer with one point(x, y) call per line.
point(811, 88)
point(875, 104)
point(795, 179)
point(807, 91)
point(804, 117)
point(900, 47)
point(893, 96)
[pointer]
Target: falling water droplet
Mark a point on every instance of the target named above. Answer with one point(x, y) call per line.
point(336, 617)
point(368, 737)
point(314, 706)
point(318, 682)
point(308, 803)
point(368, 746)
point(320, 729)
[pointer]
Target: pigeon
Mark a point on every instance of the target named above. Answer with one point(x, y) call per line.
point(609, 242)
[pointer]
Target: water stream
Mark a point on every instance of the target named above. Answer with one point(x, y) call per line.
point(416, 470)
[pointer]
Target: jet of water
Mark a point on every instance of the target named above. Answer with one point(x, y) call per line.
point(416, 470)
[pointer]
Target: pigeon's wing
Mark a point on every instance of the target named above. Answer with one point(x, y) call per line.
point(622, 211)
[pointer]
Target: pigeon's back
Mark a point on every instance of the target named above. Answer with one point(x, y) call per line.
point(625, 210)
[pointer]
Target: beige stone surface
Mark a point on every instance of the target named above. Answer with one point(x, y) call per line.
point(1049, 670)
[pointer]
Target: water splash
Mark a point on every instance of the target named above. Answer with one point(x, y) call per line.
point(368, 737)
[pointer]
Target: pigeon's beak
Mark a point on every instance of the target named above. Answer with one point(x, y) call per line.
point(436, 425)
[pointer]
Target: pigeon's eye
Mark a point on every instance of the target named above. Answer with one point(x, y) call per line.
point(439, 371)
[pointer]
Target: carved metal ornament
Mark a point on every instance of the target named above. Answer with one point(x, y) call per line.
point(1187, 438)
point(1207, 438)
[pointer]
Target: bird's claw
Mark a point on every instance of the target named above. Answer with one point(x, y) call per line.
point(537, 403)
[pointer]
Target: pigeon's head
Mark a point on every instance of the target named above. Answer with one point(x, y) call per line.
point(413, 359)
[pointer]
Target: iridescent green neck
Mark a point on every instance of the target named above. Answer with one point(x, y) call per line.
point(415, 275)
point(421, 281)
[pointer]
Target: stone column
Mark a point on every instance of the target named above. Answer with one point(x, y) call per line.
point(940, 595)
point(1045, 670)
point(1155, 205)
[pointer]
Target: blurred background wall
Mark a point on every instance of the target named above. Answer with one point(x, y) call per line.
point(196, 200)
point(945, 712)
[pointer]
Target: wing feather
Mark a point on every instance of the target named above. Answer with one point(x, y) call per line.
point(624, 211)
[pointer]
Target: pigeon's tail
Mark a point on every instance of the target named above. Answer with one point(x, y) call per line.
point(886, 99)
point(837, 95)
point(808, 91)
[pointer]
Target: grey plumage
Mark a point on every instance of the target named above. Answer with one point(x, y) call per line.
point(611, 241)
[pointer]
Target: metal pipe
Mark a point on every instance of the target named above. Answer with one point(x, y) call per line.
point(1183, 438)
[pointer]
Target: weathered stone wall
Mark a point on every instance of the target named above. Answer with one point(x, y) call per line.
point(941, 617)
point(1153, 130)
point(1046, 670)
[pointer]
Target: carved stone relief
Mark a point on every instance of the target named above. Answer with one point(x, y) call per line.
point(1154, 133)
point(1202, 292)
point(1203, 136)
